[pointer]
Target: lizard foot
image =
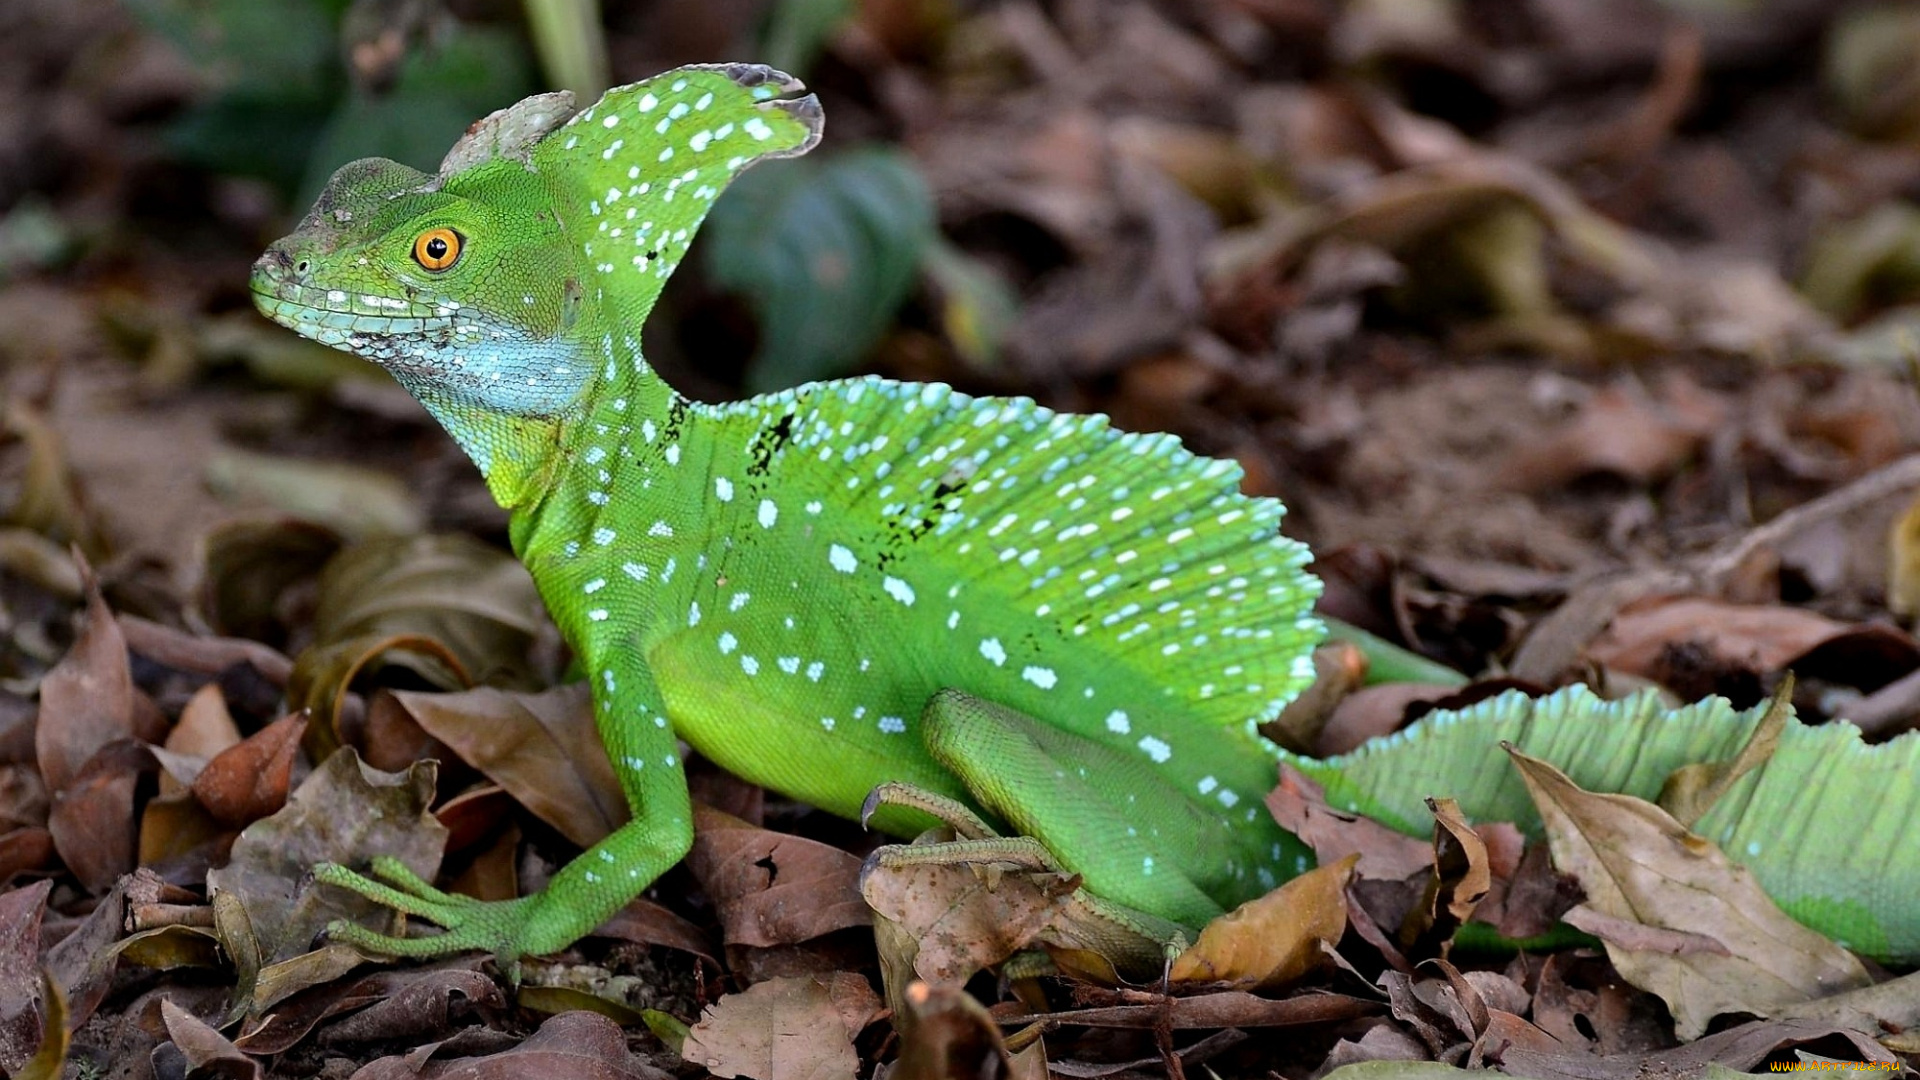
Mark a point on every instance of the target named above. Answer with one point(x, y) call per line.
point(507, 928)
point(1130, 941)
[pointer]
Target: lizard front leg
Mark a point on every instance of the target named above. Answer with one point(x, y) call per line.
point(633, 727)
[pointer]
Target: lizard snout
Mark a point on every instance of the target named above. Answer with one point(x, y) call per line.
point(277, 267)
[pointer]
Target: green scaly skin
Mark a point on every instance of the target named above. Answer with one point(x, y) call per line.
point(823, 590)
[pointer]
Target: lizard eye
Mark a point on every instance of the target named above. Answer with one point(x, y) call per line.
point(437, 249)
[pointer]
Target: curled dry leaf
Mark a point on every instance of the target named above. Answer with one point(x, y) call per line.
point(1274, 939)
point(786, 1027)
point(1691, 790)
point(201, 1047)
point(249, 781)
point(1638, 864)
point(946, 1035)
point(447, 608)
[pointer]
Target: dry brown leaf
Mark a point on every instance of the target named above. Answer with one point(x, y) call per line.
point(1273, 939)
point(1639, 865)
point(1761, 639)
point(343, 812)
point(248, 781)
point(542, 748)
point(1371, 712)
point(577, 1045)
point(1617, 431)
point(948, 921)
point(799, 1028)
point(20, 914)
point(947, 1035)
point(1299, 804)
point(772, 888)
point(204, 1048)
point(1692, 790)
point(86, 701)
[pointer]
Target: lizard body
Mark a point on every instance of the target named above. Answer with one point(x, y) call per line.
point(819, 589)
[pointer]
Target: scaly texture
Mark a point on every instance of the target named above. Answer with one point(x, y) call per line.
point(1823, 824)
point(786, 582)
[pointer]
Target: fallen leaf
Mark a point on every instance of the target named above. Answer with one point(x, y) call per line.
point(1691, 790)
point(1638, 864)
point(20, 914)
point(771, 888)
point(49, 1061)
point(249, 781)
point(417, 1005)
point(343, 812)
point(1760, 639)
point(92, 820)
point(447, 608)
point(542, 748)
point(203, 1048)
point(1903, 562)
point(205, 727)
point(787, 1028)
point(1620, 432)
point(947, 1035)
point(1274, 939)
point(1299, 804)
point(86, 701)
point(575, 1045)
point(953, 920)
point(355, 500)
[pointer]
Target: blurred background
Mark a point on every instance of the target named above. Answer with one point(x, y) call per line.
point(1498, 295)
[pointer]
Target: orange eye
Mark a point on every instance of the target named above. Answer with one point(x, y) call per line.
point(437, 249)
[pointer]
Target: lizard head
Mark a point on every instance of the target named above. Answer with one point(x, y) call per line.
point(516, 279)
point(455, 295)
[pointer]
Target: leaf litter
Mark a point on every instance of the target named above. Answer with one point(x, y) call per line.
point(1580, 351)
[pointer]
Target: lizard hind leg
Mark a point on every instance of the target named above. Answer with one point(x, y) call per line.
point(1101, 814)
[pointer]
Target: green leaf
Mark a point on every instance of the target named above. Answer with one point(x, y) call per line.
point(825, 253)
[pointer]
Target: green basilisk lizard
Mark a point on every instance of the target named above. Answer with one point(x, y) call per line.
point(825, 590)
point(867, 584)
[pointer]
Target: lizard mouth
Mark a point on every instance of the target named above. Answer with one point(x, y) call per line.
point(383, 329)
